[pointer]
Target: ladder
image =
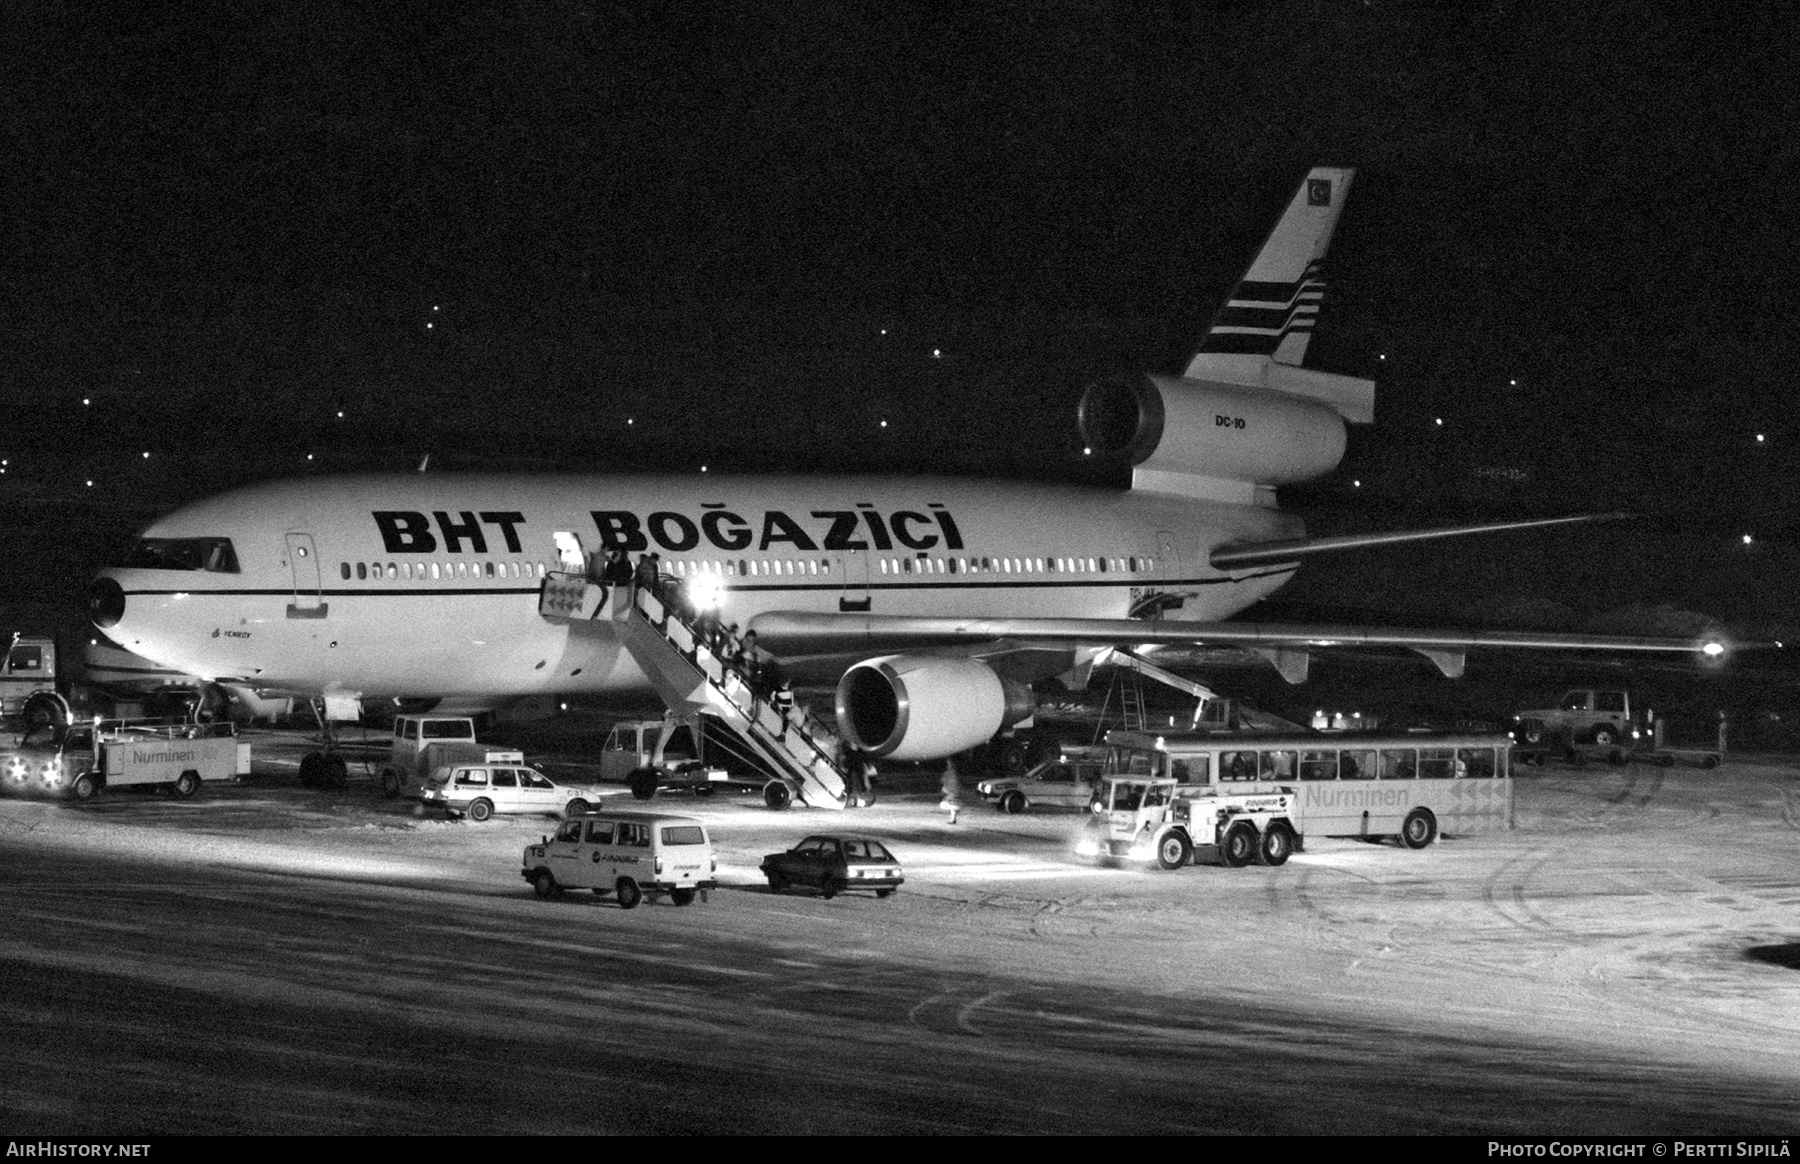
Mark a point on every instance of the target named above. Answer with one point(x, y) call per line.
point(690, 676)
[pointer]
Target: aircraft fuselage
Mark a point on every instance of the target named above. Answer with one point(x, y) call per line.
point(427, 585)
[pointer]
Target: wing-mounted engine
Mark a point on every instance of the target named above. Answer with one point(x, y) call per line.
point(925, 707)
point(1197, 438)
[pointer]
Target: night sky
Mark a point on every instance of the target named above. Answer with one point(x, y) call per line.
point(497, 232)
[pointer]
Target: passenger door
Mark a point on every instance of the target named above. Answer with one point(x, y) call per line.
point(564, 856)
point(503, 789)
point(303, 564)
point(1056, 785)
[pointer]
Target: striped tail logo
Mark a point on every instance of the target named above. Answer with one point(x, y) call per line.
point(1259, 316)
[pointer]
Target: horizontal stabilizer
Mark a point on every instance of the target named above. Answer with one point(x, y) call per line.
point(1251, 555)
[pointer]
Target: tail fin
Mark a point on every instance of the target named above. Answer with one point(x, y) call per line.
point(1270, 314)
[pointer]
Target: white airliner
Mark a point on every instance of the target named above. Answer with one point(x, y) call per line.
point(937, 600)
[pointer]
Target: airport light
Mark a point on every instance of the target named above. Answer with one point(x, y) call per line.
point(1759, 438)
point(1440, 422)
point(146, 454)
point(705, 590)
point(937, 353)
point(1713, 650)
point(1747, 539)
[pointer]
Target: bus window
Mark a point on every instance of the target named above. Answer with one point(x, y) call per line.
point(1475, 763)
point(1437, 763)
point(1398, 764)
point(1318, 765)
point(1237, 765)
point(1130, 762)
point(1278, 765)
point(1356, 765)
point(1191, 769)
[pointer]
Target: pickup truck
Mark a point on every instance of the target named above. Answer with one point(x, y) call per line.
point(1583, 715)
point(652, 754)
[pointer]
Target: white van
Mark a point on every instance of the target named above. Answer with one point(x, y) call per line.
point(627, 854)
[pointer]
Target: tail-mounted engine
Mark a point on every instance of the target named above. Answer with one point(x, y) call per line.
point(1171, 427)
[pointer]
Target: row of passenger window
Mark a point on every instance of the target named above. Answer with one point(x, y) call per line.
point(438, 571)
point(1341, 764)
point(787, 568)
point(748, 568)
point(628, 833)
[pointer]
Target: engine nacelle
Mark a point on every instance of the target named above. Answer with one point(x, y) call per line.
point(926, 707)
point(1166, 424)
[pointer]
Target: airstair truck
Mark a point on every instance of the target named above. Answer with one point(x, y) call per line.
point(87, 758)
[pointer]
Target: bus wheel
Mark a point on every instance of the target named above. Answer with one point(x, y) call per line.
point(1173, 851)
point(629, 893)
point(334, 772)
point(1240, 844)
point(681, 896)
point(643, 783)
point(390, 783)
point(87, 786)
point(777, 795)
point(1419, 829)
point(1277, 844)
point(309, 769)
point(186, 784)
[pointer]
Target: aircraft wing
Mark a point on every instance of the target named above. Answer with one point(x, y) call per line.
point(1249, 555)
point(1284, 644)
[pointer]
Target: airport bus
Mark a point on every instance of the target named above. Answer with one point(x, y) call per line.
point(1409, 785)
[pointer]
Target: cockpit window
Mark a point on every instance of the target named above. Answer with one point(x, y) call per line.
point(213, 555)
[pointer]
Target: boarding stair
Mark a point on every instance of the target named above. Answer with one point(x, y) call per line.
point(693, 672)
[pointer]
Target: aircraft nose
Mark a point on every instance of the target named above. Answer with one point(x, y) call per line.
point(106, 603)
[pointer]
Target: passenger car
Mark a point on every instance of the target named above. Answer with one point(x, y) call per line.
point(481, 790)
point(627, 854)
point(834, 864)
point(1063, 783)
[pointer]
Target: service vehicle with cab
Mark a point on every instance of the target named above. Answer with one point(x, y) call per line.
point(1154, 819)
point(626, 854)
point(86, 758)
point(425, 744)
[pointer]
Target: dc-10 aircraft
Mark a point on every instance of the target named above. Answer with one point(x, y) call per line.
point(936, 601)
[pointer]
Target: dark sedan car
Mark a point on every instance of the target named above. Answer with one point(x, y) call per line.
point(833, 864)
